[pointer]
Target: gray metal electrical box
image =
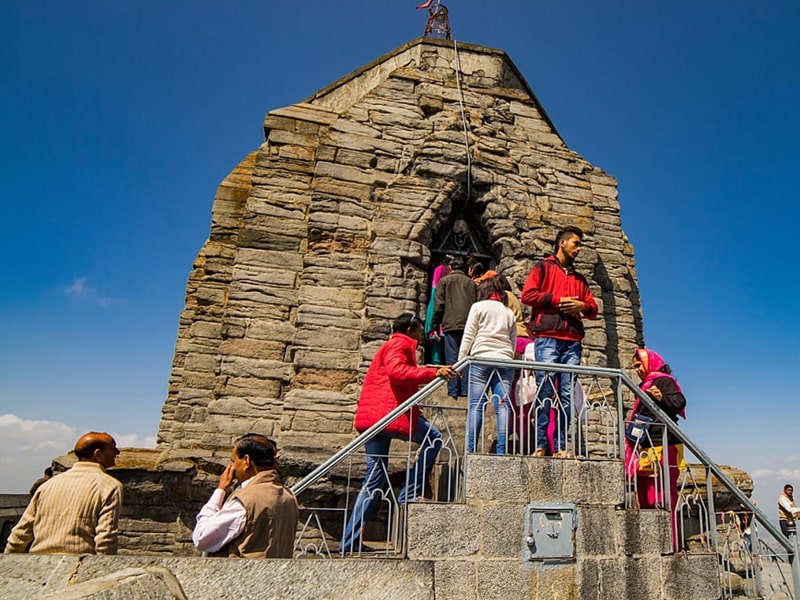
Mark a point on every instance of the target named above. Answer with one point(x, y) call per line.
point(550, 531)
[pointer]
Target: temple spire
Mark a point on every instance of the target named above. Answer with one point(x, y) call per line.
point(438, 25)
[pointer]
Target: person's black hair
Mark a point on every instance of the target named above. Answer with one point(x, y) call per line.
point(457, 264)
point(788, 485)
point(504, 282)
point(491, 286)
point(476, 269)
point(48, 472)
point(259, 448)
point(405, 322)
point(566, 233)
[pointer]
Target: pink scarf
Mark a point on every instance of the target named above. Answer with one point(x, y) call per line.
point(652, 362)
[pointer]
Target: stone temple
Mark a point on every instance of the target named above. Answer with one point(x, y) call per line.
point(332, 227)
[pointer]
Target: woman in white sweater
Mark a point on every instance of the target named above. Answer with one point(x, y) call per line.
point(490, 332)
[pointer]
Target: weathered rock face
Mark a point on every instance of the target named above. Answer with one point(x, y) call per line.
point(331, 228)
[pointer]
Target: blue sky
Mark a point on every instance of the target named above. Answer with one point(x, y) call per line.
point(119, 120)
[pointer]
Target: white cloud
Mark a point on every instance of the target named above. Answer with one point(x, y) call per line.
point(27, 446)
point(79, 289)
point(762, 473)
point(133, 440)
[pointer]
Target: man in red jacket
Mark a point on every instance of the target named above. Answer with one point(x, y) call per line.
point(560, 298)
point(392, 378)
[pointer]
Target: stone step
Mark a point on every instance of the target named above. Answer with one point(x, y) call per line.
point(534, 479)
point(24, 577)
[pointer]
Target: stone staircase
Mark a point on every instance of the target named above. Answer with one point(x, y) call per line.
point(480, 549)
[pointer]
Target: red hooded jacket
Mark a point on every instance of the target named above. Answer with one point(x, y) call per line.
point(547, 282)
point(392, 378)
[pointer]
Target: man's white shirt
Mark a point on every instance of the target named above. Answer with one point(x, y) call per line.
point(218, 524)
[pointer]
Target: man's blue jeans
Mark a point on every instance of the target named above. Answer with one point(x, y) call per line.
point(486, 382)
point(452, 342)
point(561, 352)
point(372, 493)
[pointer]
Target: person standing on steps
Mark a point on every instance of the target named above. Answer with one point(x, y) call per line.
point(392, 378)
point(455, 294)
point(490, 333)
point(560, 298)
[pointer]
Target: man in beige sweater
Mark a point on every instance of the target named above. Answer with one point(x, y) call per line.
point(76, 512)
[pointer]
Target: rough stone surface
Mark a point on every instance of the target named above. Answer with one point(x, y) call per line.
point(118, 577)
point(596, 531)
point(500, 580)
point(643, 531)
point(491, 477)
point(153, 583)
point(23, 576)
point(455, 579)
point(431, 528)
point(690, 577)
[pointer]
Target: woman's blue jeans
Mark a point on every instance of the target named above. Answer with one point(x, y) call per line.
point(485, 383)
point(372, 493)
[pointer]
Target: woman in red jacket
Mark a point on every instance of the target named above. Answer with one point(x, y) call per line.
point(392, 378)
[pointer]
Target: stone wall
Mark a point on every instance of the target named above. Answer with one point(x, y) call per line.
point(25, 577)
point(331, 228)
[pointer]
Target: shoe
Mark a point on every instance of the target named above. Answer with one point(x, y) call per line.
point(417, 500)
point(540, 452)
point(364, 549)
point(563, 454)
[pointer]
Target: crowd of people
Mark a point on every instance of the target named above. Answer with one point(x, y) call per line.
point(472, 313)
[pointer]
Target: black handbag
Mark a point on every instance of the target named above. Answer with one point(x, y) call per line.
point(637, 429)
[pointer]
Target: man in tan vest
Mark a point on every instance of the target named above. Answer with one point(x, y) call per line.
point(76, 512)
point(259, 519)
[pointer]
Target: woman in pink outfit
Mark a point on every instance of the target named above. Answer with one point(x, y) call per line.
point(431, 334)
point(659, 384)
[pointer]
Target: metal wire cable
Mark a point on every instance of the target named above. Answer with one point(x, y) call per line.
point(463, 121)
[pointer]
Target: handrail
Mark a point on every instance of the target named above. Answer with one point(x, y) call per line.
point(426, 391)
point(623, 377)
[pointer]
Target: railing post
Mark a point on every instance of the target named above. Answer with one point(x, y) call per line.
point(755, 552)
point(712, 513)
point(795, 560)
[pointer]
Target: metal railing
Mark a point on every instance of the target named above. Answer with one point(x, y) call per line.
point(599, 400)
